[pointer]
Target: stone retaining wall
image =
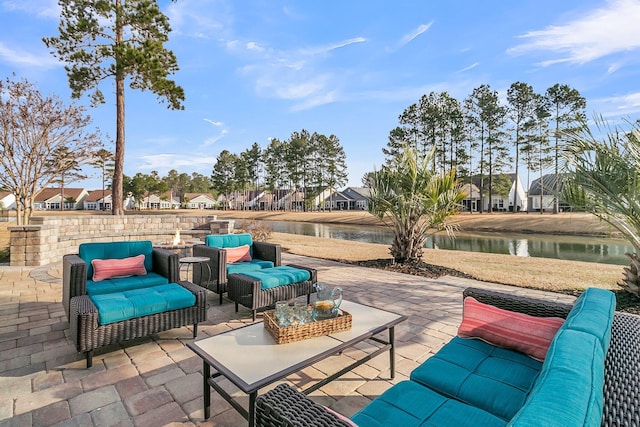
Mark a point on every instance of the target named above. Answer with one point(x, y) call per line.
point(47, 239)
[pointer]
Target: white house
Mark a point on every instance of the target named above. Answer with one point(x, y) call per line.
point(53, 198)
point(199, 201)
point(98, 200)
point(498, 202)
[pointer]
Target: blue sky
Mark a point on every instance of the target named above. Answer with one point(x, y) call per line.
point(252, 70)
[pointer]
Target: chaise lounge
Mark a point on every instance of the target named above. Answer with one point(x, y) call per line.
point(117, 291)
point(589, 375)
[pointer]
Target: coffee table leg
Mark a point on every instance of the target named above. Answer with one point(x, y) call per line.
point(252, 408)
point(392, 351)
point(206, 392)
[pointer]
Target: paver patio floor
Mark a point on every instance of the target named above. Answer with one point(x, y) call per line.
point(158, 381)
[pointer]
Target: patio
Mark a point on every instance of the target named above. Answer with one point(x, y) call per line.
point(152, 382)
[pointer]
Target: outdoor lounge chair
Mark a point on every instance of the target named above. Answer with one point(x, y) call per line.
point(219, 247)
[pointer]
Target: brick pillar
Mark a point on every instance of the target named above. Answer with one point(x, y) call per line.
point(31, 245)
point(222, 226)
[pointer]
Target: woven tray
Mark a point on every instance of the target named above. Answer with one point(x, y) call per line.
point(287, 334)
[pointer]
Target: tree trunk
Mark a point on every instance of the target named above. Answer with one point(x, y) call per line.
point(117, 198)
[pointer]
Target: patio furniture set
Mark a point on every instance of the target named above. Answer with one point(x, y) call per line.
point(118, 291)
point(516, 361)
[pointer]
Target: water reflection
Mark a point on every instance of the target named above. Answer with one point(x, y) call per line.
point(577, 248)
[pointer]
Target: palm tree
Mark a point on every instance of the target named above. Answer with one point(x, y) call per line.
point(604, 179)
point(409, 196)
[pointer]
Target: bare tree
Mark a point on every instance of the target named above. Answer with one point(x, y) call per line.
point(33, 128)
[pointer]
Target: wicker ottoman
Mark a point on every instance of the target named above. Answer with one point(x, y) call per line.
point(247, 291)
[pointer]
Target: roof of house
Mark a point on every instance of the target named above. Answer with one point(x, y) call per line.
point(548, 185)
point(49, 193)
point(192, 196)
point(97, 195)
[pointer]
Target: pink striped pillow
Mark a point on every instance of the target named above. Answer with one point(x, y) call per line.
point(507, 329)
point(110, 268)
point(241, 253)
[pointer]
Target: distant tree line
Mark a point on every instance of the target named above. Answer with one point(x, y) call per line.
point(475, 136)
point(306, 162)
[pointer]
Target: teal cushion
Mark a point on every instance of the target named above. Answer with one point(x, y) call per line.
point(246, 266)
point(409, 404)
point(568, 391)
point(119, 306)
point(493, 379)
point(120, 284)
point(279, 276)
point(593, 313)
point(228, 240)
point(115, 250)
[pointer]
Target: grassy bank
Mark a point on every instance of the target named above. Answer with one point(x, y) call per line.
point(540, 273)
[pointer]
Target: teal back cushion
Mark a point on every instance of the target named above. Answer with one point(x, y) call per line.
point(115, 250)
point(568, 391)
point(228, 240)
point(593, 313)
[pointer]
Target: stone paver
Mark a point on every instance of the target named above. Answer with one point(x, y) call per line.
point(157, 380)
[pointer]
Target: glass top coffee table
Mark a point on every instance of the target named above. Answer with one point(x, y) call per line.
point(250, 358)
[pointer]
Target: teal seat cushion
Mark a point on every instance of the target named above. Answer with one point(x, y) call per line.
point(593, 313)
point(568, 391)
point(493, 379)
point(409, 404)
point(119, 306)
point(246, 266)
point(279, 276)
point(115, 250)
point(120, 284)
point(228, 240)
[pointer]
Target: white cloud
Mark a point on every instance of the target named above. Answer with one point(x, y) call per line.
point(408, 38)
point(198, 18)
point(24, 58)
point(618, 106)
point(328, 48)
point(213, 139)
point(40, 8)
point(604, 31)
point(167, 161)
point(470, 67)
point(213, 122)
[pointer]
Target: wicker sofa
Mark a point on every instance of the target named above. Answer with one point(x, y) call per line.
point(608, 394)
point(263, 255)
point(133, 306)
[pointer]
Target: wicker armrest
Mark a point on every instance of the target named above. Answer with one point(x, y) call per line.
point(268, 252)
point(165, 263)
point(518, 303)
point(83, 322)
point(285, 407)
point(622, 373)
point(74, 279)
point(217, 262)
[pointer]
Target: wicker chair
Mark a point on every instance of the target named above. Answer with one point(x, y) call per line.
point(286, 407)
point(218, 263)
point(82, 314)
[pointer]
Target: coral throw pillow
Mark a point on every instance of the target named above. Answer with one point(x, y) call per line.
point(241, 253)
point(110, 268)
point(507, 329)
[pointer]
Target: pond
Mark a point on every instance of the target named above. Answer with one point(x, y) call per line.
point(576, 248)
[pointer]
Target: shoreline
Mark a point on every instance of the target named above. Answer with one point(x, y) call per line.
point(537, 273)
